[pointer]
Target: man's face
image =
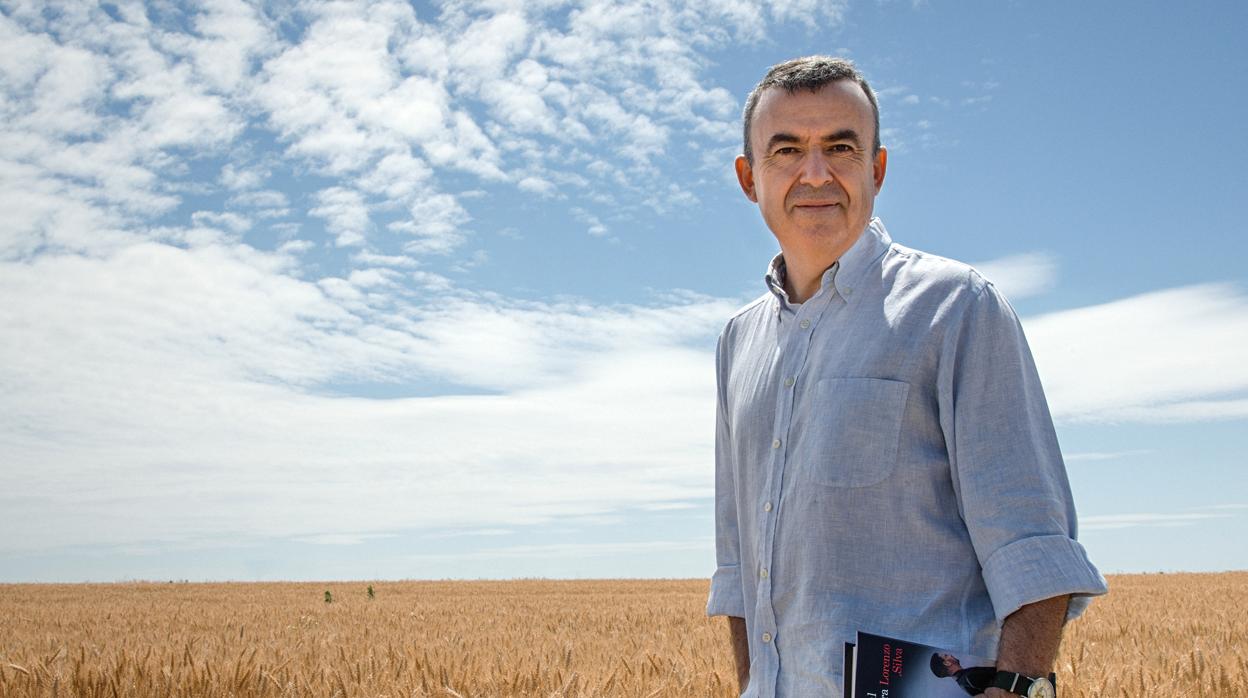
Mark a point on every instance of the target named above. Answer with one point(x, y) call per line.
point(952, 665)
point(814, 176)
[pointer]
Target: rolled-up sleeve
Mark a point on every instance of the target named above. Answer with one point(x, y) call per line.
point(726, 597)
point(1006, 465)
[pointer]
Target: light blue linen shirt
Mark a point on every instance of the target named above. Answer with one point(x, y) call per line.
point(885, 461)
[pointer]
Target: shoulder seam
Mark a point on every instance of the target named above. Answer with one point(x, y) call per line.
point(749, 306)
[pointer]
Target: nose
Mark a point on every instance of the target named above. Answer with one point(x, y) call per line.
point(815, 169)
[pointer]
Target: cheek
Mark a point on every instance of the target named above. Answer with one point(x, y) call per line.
point(771, 195)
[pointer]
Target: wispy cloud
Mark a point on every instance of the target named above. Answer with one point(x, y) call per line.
point(575, 550)
point(106, 109)
point(1171, 355)
point(1091, 456)
point(340, 538)
point(345, 214)
point(138, 379)
point(1022, 275)
point(1234, 507)
point(1118, 521)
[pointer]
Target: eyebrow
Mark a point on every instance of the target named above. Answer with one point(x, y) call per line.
point(845, 134)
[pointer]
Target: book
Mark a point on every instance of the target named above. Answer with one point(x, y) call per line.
point(886, 667)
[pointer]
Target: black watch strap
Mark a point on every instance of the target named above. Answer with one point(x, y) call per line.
point(1013, 682)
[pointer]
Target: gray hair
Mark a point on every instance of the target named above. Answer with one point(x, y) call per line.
point(809, 73)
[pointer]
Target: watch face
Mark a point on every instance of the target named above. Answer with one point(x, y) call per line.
point(1041, 688)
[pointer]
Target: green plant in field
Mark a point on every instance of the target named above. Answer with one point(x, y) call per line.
point(329, 598)
point(371, 595)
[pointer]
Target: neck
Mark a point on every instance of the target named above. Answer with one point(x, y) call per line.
point(800, 284)
point(804, 269)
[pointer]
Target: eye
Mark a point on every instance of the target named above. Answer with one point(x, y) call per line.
point(840, 148)
point(785, 150)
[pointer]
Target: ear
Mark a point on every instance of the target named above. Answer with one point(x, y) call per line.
point(879, 167)
point(745, 176)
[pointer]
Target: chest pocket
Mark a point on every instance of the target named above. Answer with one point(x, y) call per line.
point(854, 430)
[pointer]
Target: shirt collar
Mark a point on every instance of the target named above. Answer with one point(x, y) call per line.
point(861, 256)
point(844, 273)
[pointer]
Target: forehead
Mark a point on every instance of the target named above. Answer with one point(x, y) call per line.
point(839, 105)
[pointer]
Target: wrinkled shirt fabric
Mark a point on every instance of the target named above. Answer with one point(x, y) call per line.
point(886, 462)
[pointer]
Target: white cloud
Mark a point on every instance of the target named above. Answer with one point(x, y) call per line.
point(236, 177)
point(488, 45)
point(1104, 455)
point(266, 203)
point(1021, 275)
point(372, 258)
point(231, 36)
point(467, 148)
point(435, 222)
point(415, 109)
point(578, 550)
point(71, 85)
point(831, 11)
point(136, 378)
point(398, 176)
point(91, 127)
point(345, 213)
point(373, 278)
point(1172, 355)
point(1225, 506)
point(340, 538)
point(537, 185)
point(368, 95)
point(595, 225)
point(1118, 521)
point(431, 281)
point(229, 221)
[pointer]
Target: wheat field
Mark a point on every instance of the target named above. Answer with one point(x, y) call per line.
point(1154, 635)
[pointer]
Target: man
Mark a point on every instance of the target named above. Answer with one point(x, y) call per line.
point(974, 680)
point(885, 458)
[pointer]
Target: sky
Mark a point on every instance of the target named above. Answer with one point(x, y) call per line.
point(379, 290)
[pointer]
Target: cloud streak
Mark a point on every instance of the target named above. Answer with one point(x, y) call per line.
point(177, 391)
point(1150, 520)
point(1163, 356)
point(1023, 275)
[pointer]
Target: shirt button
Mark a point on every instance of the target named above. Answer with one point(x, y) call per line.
point(766, 637)
point(767, 506)
point(775, 444)
point(788, 382)
point(763, 573)
point(804, 324)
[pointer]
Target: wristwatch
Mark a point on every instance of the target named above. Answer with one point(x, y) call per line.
point(1024, 685)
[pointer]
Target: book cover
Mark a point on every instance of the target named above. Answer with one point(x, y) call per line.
point(885, 667)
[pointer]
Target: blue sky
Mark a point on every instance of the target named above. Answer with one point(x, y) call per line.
point(389, 290)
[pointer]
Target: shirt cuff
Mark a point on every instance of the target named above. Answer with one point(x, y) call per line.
point(726, 598)
point(1038, 568)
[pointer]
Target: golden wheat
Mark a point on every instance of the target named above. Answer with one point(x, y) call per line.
point(1163, 635)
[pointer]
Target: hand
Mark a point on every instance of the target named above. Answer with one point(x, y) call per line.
point(997, 693)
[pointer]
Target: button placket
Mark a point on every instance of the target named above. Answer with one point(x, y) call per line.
point(794, 346)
